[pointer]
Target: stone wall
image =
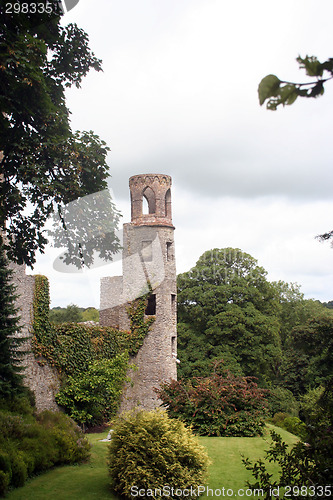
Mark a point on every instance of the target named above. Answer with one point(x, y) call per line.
point(111, 301)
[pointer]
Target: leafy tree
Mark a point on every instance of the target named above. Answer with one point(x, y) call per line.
point(281, 400)
point(292, 371)
point(44, 163)
point(291, 310)
point(90, 314)
point(71, 314)
point(315, 340)
point(10, 354)
point(276, 91)
point(294, 312)
point(227, 310)
point(310, 404)
point(308, 353)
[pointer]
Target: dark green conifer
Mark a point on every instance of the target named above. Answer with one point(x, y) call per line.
point(10, 353)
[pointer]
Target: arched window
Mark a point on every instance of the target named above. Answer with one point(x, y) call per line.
point(168, 204)
point(145, 208)
point(149, 195)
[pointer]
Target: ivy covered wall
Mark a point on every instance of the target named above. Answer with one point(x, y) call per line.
point(91, 361)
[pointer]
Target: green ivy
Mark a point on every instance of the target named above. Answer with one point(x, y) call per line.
point(41, 327)
point(93, 396)
point(79, 352)
point(139, 324)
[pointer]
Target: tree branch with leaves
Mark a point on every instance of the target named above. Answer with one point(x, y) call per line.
point(44, 164)
point(277, 92)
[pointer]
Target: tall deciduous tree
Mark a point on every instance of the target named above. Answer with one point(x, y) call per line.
point(315, 340)
point(44, 164)
point(227, 309)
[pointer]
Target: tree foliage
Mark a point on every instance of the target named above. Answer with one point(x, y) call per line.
point(307, 352)
point(73, 314)
point(277, 92)
point(227, 309)
point(314, 339)
point(44, 163)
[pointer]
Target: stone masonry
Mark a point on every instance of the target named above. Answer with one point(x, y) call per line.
point(148, 255)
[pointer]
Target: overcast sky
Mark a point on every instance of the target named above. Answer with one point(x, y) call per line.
point(178, 96)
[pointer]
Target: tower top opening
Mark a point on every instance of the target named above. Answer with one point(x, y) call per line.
point(156, 190)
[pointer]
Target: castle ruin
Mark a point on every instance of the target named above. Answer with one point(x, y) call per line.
point(148, 263)
point(148, 258)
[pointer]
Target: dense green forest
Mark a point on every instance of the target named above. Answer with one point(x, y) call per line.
point(229, 311)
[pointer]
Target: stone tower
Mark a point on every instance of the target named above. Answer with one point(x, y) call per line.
point(148, 255)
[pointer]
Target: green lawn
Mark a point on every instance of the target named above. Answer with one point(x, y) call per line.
point(90, 481)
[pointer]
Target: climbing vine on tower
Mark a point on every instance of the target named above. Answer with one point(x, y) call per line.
point(92, 361)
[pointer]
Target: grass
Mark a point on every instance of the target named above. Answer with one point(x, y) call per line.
point(227, 470)
point(90, 481)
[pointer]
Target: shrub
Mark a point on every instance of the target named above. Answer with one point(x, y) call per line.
point(278, 419)
point(72, 445)
point(282, 400)
point(19, 470)
point(150, 450)
point(310, 408)
point(5, 472)
point(290, 424)
point(295, 426)
point(219, 405)
point(30, 445)
point(4, 482)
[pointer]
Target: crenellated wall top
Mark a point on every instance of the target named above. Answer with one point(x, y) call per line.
point(149, 179)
